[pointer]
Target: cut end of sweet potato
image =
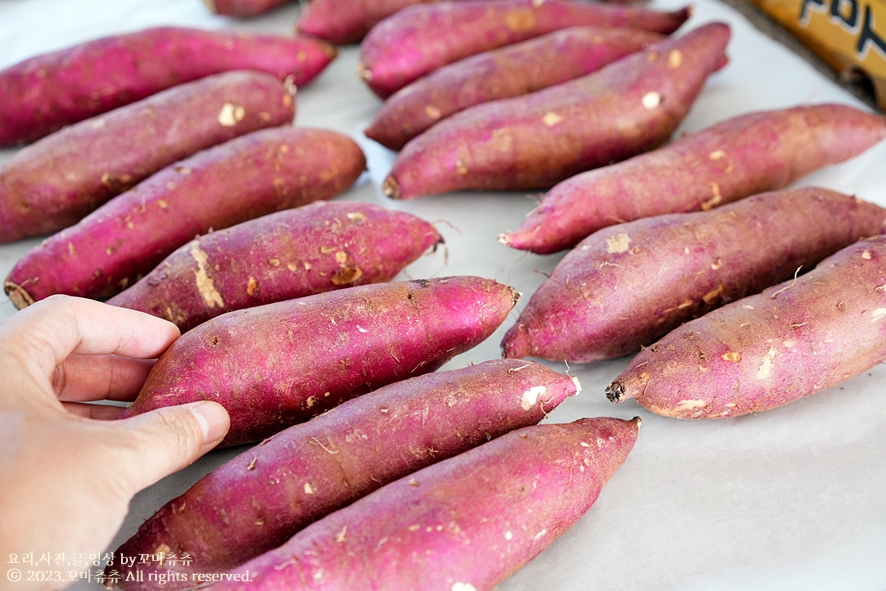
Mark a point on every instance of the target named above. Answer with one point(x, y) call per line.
point(329, 50)
point(615, 392)
point(391, 187)
point(504, 239)
point(364, 73)
point(516, 344)
point(19, 295)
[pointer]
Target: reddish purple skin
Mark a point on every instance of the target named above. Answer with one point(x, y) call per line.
point(420, 39)
point(280, 364)
point(243, 7)
point(448, 523)
point(346, 21)
point(43, 94)
point(628, 285)
point(537, 140)
point(233, 515)
point(55, 182)
point(286, 255)
point(251, 176)
point(767, 350)
point(511, 71)
point(743, 156)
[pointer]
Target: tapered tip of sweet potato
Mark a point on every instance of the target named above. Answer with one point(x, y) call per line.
point(391, 187)
point(637, 421)
point(615, 392)
point(329, 50)
point(19, 295)
point(210, 4)
point(504, 239)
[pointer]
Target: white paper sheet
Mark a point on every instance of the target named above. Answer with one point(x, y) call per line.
point(794, 498)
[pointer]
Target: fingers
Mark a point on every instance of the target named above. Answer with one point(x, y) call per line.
point(166, 440)
point(51, 329)
point(99, 377)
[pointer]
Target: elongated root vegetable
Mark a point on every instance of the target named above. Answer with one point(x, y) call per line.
point(55, 182)
point(466, 523)
point(243, 7)
point(790, 341)
point(280, 364)
point(335, 459)
point(625, 286)
point(245, 178)
point(419, 39)
point(47, 92)
point(511, 71)
point(537, 140)
point(709, 168)
point(346, 21)
point(286, 255)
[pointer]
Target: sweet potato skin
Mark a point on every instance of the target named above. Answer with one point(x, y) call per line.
point(465, 523)
point(43, 94)
point(346, 21)
point(243, 7)
point(767, 350)
point(420, 39)
point(507, 72)
point(254, 175)
point(286, 255)
point(280, 364)
point(537, 140)
point(600, 302)
point(55, 182)
point(342, 456)
point(745, 155)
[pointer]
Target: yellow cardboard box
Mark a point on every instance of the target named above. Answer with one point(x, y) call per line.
point(850, 35)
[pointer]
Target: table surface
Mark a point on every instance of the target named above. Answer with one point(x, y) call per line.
point(787, 499)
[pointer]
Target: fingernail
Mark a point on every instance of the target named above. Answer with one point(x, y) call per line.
point(213, 419)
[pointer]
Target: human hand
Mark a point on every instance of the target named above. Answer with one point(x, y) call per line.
point(68, 471)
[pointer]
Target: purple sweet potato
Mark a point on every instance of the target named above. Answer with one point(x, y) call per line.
point(628, 285)
point(56, 181)
point(286, 255)
point(245, 178)
point(280, 364)
point(743, 156)
point(346, 21)
point(420, 39)
point(243, 7)
point(47, 92)
point(511, 71)
point(464, 524)
point(537, 140)
point(335, 459)
point(763, 351)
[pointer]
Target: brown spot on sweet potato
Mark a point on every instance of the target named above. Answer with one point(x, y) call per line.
point(460, 167)
point(713, 201)
point(230, 115)
point(346, 275)
point(520, 20)
point(433, 112)
point(274, 262)
point(251, 286)
point(618, 244)
point(551, 119)
point(716, 155)
point(117, 182)
point(732, 356)
point(675, 59)
point(713, 294)
point(205, 284)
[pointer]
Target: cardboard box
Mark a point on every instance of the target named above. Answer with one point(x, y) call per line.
point(850, 35)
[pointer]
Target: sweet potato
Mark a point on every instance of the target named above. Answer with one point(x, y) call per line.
point(464, 524)
point(766, 350)
point(47, 92)
point(419, 39)
point(346, 21)
point(56, 181)
point(743, 156)
point(245, 178)
point(537, 140)
point(280, 364)
point(333, 460)
point(286, 255)
point(511, 71)
point(625, 286)
point(243, 7)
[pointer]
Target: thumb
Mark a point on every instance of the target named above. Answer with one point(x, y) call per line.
point(166, 440)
